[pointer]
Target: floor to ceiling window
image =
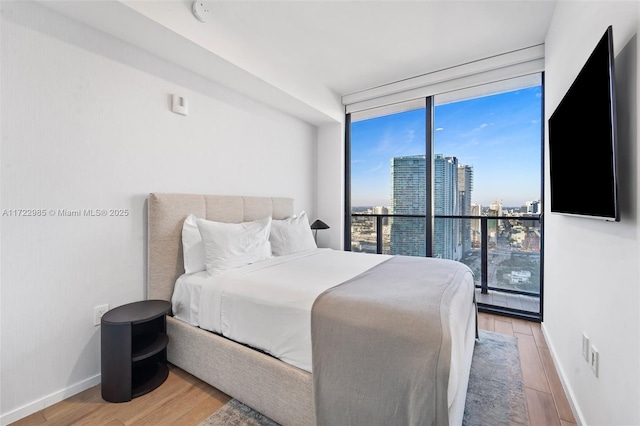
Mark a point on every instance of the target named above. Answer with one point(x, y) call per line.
point(388, 177)
point(456, 176)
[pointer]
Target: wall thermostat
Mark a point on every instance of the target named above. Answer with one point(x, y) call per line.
point(201, 10)
point(179, 105)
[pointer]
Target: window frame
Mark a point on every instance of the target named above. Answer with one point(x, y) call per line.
point(430, 217)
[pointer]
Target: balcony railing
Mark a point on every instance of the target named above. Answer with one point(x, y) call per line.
point(502, 251)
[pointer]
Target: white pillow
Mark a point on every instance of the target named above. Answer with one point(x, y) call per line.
point(232, 245)
point(291, 235)
point(192, 248)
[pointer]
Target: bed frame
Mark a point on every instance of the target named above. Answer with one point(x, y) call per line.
point(276, 389)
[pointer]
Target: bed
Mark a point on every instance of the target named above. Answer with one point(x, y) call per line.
point(259, 376)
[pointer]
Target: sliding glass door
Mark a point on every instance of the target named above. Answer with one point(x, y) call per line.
point(456, 176)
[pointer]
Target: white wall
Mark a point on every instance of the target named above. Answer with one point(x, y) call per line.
point(86, 125)
point(331, 158)
point(592, 276)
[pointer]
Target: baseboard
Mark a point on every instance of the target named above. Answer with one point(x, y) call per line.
point(577, 413)
point(40, 404)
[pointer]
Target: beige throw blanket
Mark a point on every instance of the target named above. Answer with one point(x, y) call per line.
point(381, 345)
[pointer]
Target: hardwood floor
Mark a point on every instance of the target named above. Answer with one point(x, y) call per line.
point(184, 400)
point(546, 401)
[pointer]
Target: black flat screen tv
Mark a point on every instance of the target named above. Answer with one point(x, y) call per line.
point(582, 141)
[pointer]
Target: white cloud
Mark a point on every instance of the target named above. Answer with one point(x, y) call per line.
point(378, 167)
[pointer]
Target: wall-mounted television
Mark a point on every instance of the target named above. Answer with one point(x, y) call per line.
point(582, 141)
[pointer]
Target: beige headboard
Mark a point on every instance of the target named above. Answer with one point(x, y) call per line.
point(167, 212)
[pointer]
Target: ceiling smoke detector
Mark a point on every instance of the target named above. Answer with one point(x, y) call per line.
point(201, 10)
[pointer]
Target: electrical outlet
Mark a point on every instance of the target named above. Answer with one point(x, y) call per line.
point(595, 360)
point(98, 312)
point(585, 347)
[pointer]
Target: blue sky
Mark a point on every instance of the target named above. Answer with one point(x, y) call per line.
point(499, 135)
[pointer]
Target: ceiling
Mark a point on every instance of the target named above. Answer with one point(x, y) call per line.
point(302, 56)
point(350, 46)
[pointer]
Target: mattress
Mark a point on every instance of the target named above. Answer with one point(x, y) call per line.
point(267, 305)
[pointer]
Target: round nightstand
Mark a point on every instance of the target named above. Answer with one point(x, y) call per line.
point(134, 349)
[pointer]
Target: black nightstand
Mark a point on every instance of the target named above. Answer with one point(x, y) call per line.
point(134, 349)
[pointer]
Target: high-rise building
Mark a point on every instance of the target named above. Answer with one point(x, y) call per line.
point(465, 188)
point(476, 226)
point(533, 207)
point(493, 225)
point(495, 208)
point(446, 203)
point(408, 196)
point(382, 210)
point(450, 198)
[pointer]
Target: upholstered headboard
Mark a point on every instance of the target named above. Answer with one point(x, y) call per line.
point(166, 214)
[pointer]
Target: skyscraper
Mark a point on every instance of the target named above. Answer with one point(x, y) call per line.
point(476, 230)
point(446, 203)
point(408, 196)
point(493, 225)
point(532, 207)
point(382, 210)
point(465, 188)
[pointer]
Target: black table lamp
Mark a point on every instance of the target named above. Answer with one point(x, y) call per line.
point(318, 224)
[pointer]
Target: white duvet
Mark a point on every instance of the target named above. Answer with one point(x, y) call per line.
point(267, 305)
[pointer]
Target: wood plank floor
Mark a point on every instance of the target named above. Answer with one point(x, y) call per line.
point(546, 400)
point(184, 400)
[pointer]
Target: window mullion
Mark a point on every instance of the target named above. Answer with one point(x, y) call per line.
point(347, 184)
point(429, 111)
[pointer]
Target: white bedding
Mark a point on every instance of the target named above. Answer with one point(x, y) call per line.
point(267, 305)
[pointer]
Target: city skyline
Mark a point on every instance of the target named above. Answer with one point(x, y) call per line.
point(484, 207)
point(498, 135)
